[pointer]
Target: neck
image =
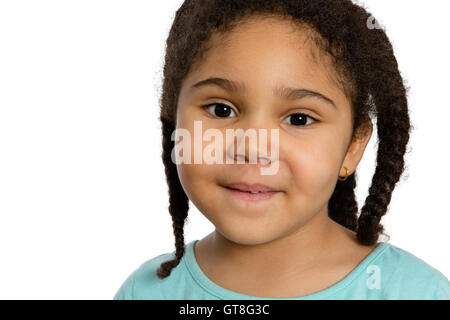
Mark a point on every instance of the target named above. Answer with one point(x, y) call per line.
point(289, 254)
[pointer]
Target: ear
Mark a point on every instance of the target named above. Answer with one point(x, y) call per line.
point(356, 148)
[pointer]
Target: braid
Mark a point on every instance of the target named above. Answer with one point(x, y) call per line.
point(178, 201)
point(388, 94)
point(342, 206)
point(381, 91)
point(393, 131)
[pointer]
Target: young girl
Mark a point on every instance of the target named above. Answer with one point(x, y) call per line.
point(317, 71)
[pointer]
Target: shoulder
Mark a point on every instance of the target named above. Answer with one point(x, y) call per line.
point(143, 283)
point(408, 276)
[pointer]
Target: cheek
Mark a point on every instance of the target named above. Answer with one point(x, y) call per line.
point(193, 178)
point(199, 184)
point(313, 167)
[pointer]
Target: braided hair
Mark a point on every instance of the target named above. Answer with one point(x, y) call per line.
point(368, 72)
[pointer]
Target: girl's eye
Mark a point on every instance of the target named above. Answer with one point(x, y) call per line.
point(220, 110)
point(223, 111)
point(299, 119)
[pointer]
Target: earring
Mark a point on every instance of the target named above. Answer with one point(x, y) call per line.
point(346, 175)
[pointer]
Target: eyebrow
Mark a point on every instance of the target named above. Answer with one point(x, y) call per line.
point(284, 92)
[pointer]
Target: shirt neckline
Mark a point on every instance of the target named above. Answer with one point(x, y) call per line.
point(207, 284)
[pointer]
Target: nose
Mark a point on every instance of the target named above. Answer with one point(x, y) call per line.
point(242, 158)
point(251, 147)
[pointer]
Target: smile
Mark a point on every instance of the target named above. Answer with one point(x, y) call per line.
point(251, 196)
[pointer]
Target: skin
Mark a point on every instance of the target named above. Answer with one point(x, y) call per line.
point(286, 246)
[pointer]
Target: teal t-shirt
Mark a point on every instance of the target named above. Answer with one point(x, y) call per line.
point(387, 272)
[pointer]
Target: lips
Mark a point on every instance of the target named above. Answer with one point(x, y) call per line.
point(251, 188)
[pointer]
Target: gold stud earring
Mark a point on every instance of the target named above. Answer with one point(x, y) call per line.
point(346, 175)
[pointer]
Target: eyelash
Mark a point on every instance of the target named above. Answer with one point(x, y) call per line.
point(222, 104)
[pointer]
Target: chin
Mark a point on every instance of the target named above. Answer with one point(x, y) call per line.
point(245, 238)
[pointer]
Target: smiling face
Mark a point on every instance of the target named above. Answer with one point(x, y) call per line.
point(315, 129)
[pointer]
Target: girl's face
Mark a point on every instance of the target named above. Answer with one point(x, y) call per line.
point(262, 56)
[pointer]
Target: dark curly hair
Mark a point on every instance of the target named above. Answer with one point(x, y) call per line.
point(368, 71)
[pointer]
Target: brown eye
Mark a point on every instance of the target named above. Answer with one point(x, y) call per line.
point(299, 119)
point(220, 110)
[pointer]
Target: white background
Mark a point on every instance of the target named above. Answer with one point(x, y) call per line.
point(83, 196)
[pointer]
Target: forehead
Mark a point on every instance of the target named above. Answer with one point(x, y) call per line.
point(268, 52)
